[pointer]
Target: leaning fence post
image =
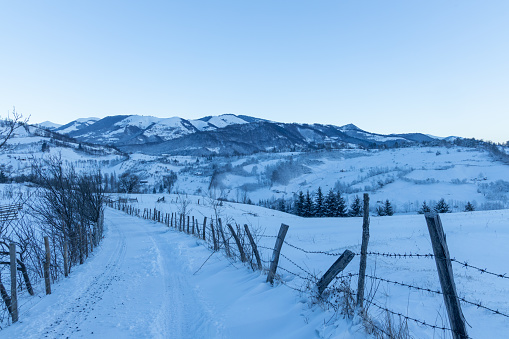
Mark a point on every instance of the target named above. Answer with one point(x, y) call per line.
point(46, 266)
point(364, 250)
point(204, 226)
point(226, 244)
point(338, 266)
point(445, 274)
point(277, 250)
point(14, 291)
point(254, 247)
point(213, 235)
point(239, 245)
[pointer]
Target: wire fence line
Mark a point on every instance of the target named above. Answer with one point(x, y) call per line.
point(311, 279)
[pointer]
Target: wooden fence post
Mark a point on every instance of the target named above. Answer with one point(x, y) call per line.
point(66, 259)
point(445, 274)
point(24, 272)
point(14, 290)
point(254, 247)
point(213, 235)
point(226, 244)
point(338, 266)
point(192, 231)
point(80, 234)
point(204, 226)
point(277, 250)
point(239, 245)
point(188, 224)
point(364, 250)
point(46, 266)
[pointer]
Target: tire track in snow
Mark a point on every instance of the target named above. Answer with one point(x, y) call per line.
point(181, 314)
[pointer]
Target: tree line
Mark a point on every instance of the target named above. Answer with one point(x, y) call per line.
point(320, 205)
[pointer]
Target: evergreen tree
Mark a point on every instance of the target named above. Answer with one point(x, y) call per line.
point(380, 211)
point(282, 205)
point(388, 208)
point(308, 205)
point(330, 204)
point(442, 207)
point(299, 204)
point(319, 204)
point(424, 208)
point(341, 209)
point(356, 208)
point(469, 207)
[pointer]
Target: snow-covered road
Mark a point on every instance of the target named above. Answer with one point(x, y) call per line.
point(134, 286)
point(142, 283)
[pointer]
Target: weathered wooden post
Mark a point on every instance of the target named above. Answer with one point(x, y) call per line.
point(225, 242)
point(188, 224)
point(80, 230)
point(14, 290)
point(364, 250)
point(213, 235)
point(204, 226)
point(24, 272)
point(46, 266)
point(445, 274)
point(338, 266)
point(239, 245)
point(254, 247)
point(275, 254)
point(192, 229)
point(66, 259)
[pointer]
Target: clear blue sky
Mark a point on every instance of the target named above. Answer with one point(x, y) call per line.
point(438, 67)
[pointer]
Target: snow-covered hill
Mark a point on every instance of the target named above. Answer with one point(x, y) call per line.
point(125, 130)
point(225, 135)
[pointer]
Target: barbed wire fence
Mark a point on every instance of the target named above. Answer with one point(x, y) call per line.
point(302, 279)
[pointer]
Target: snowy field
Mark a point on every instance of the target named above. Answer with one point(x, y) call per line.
point(147, 280)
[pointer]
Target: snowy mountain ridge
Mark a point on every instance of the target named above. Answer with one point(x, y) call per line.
point(225, 134)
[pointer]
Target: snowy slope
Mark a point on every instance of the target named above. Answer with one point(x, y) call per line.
point(147, 281)
point(76, 125)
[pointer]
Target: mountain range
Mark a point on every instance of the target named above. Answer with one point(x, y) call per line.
point(226, 134)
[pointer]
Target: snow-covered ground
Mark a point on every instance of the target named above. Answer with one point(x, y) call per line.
point(147, 280)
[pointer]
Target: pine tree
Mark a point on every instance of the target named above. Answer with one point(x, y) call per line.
point(299, 204)
point(388, 208)
point(380, 211)
point(319, 205)
point(424, 208)
point(308, 206)
point(282, 205)
point(341, 209)
point(469, 207)
point(356, 208)
point(442, 207)
point(330, 204)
